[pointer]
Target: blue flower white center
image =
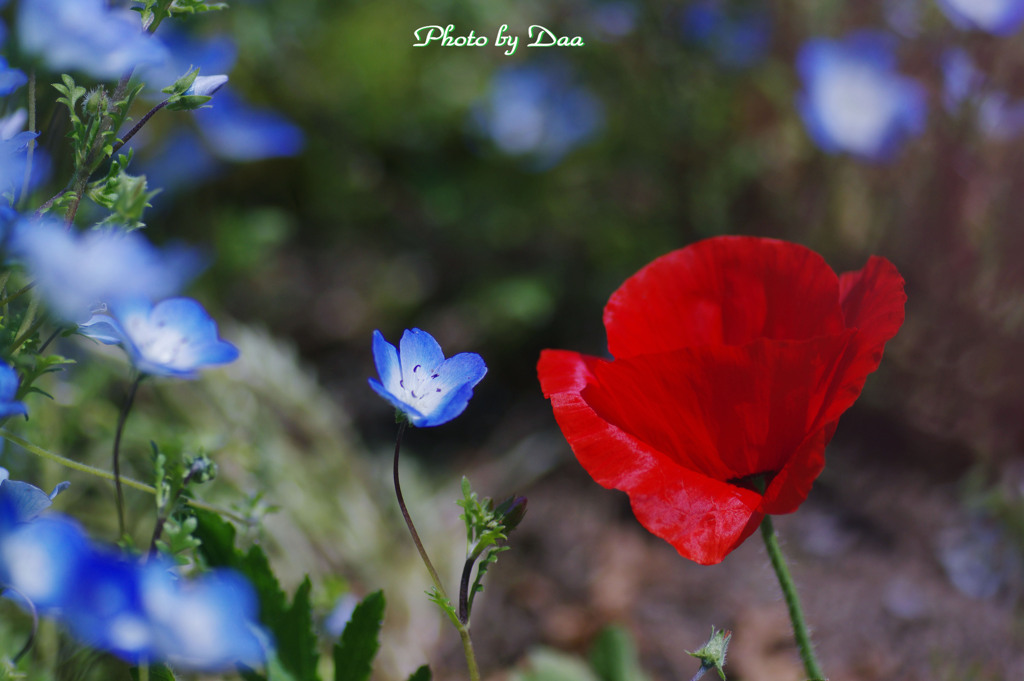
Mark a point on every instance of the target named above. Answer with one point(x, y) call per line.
point(159, 343)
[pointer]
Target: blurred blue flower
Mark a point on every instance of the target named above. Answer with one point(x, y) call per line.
point(179, 160)
point(175, 337)
point(538, 112)
point(853, 100)
point(10, 79)
point(87, 36)
point(137, 611)
point(215, 54)
point(736, 37)
point(613, 20)
point(14, 140)
point(8, 390)
point(966, 87)
point(206, 624)
point(416, 378)
point(77, 272)
point(237, 132)
point(21, 502)
point(41, 559)
point(1001, 17)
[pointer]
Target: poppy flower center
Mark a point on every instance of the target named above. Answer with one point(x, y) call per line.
point(756, 482)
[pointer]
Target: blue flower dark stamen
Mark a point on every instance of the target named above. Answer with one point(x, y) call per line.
point(433, 396)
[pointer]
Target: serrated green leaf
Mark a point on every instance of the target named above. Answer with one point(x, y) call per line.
point(354, 653)
point(421, 674)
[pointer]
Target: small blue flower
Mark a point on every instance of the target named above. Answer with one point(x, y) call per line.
point(14, 140)
point(236, 131)
point(10, 79)
point(737, 38)
point(538, 112)
point(8, 390)
point(416, 378)
point(175, 337)
point(206, 624)
point(21, 502)
point(77, 272)
point(207, 86)
point(966, 87)
point(1000, 17)
point(85, 35)
point(42, 560)
point(853, 100)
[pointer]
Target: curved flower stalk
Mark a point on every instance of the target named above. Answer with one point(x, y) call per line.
point(734, 359)
point(1000, 17)
point(417, 379)
point(175, 337)
point(429, 390)
point(854, 101)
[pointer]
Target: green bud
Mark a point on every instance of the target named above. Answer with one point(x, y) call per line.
point(200, 469)
point(510, 512)
point(96, 102)
point(712, 653)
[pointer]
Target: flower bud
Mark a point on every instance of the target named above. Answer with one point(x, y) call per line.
point(511, 512)
point(206, 86)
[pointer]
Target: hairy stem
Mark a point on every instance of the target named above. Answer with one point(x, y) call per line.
point(122, 419)
point(107, 475)
point(138, 126)
point(460, 625)
point(796, 613)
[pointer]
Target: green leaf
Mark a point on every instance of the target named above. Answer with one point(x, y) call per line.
point(291, 625)
point(157, 672)
point(353, 655)
point(421, 674)
point(614, 658)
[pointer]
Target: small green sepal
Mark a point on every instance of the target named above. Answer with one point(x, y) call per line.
point(712, 653)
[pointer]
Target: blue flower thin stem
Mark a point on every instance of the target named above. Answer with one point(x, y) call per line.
point(117, 451)
point(107, 475)
point(35, 625)
point(462, 627)
point(796, 613)
point(25, 183)
point(138, 126)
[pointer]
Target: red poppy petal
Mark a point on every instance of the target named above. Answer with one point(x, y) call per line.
point(704, 519)
point(726, 412)
point(873, 300)
point(726, 290)
point(790, 487)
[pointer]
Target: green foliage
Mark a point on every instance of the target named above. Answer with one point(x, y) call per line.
point(421, 674)
point(155, 11)
point(712, 653)
point(125, 196)
point(612, 658)
point(157, 672)
point(79, 133)
point(487, 530)
point(354, 653)
point(290, 624)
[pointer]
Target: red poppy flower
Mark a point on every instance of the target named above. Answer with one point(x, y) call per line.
point(734, 359)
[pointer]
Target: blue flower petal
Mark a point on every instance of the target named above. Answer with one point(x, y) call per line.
point(385, 357)
point(418, 352)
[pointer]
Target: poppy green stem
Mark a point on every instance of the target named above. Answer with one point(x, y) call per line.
point(796, 613)
point(107, 475)
point(460, 626)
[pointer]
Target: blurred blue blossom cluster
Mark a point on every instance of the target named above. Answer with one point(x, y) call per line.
point(855, 101)
point(137, 610)
point(736, 36)
point(538, 112)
